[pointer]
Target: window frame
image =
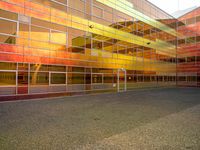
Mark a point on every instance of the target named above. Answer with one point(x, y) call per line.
point(17, 27)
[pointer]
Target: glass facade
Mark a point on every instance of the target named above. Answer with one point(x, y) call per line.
point(58, 46)
point(188, 68)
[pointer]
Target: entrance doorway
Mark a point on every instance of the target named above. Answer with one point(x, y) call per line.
point(22, 82)
point(121, 80)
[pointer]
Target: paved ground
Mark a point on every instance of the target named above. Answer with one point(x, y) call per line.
point(163, 119)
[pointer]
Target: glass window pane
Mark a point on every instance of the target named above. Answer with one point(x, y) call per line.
point(7, 66)
point(198, 18)
point(57, 4)
point(76, 50)
point(58, 37)
point(39, 67)
point(75, 78)
point(62, 1)
point(97, 78)
point(7, 78)
point(8, 15)
point(22, 78)
point(8, 27)
point(22, 66)
point(97, 44)
point(58, 78)
point(39, 78)
point(23, 30)
point(108, 78)
point(98, 12)
point(7, 39)
point(57, 68)
point(39, 34)
point(76, 69)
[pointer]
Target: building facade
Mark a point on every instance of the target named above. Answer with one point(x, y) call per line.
point(188, 68)
point(83, 46)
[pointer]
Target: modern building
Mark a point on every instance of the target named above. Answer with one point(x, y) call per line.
point(61, 47)
point(188, 68)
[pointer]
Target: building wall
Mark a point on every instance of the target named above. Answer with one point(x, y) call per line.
point(84, 45)
point(188, 68)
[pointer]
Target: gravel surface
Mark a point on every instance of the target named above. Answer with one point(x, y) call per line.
point(144, 119)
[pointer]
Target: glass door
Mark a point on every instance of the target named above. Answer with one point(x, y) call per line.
point(121, 80)
point(22, 78)
point(22, 82)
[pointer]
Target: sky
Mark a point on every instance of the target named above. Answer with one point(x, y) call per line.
point(172, 6)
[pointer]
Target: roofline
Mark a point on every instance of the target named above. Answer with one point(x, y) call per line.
point(160, 9)
point(188, 12)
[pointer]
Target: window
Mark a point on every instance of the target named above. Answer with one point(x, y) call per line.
point(121, 49)
point(181, 41)
point(76, 41)
point(181, 60)
point(57, 4)
point(23, 31)
point(97, 45)
point(198, 19)
point(191, 59)
point(23, 66)
point(97, 78)
point(140, 78)
point(129, 78)
point(79, 50)
point(182, 78)
point(198, 39)
point(41, 23)
point(60, 1)
point(108, 16)
point(190, 21)
point(102, 70)
point(97, 11)
point(108, 46)
point(8, 27)
point(38, 67)
point(7, 66)
point(22, 78)
point(8, 15)
point(57, 68)
point(58, 78)
point(198, 58)
point(39, 78)
point(76, 69)
point(39, 33)
point(180, 23)
point(108, 78)
point(7, 78)
point(58, 37)
point(75, 78)
point(78, 5)
point(191, 78)
point(7, 39)
point(190, 40)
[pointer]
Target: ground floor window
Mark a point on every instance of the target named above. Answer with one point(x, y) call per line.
point(39, 78)
point(7, 78)
point(58, 78)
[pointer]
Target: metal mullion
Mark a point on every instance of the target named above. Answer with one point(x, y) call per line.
point(17, 80)
point(28, 78)
point(9, 19)
point(102, 79)
point(59, 3)
point(49, 78)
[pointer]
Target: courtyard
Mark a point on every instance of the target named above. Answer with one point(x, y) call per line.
point(167, 118)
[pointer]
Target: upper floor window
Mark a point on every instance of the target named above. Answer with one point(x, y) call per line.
point(97, 11)
point(8, 30)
